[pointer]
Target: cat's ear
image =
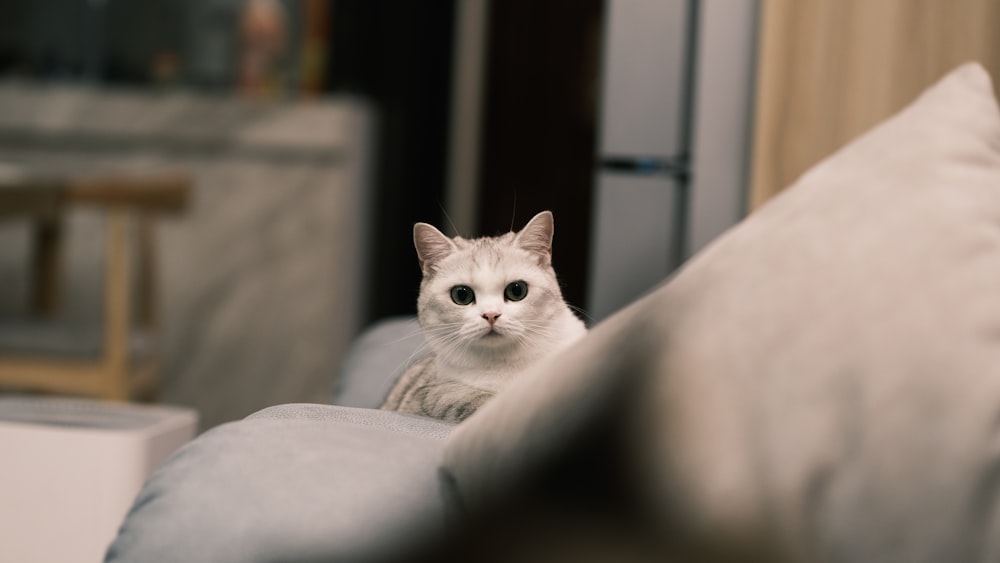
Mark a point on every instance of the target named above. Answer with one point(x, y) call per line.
point(432, 245)
point(536, 236)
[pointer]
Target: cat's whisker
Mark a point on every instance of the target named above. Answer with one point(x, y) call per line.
point(542, 330)
point(417, 353)
point(442, 334)
point(450, 349)
point(447, 327)
point(454, 228)
point(423, 348)
point(406, 337)
point(584, 313)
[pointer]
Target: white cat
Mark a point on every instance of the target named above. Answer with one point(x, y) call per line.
point(488, 308)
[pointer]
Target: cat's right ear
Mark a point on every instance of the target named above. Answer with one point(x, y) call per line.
point(432, 246)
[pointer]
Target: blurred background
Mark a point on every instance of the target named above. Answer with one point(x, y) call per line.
point(316, 132)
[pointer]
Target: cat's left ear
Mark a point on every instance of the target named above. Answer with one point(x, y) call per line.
point(536, 236)
point(432, 246)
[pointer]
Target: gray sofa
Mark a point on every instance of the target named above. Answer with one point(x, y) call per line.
point(821, 384)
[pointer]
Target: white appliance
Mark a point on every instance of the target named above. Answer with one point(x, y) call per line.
point(71, 469)
point(673, 132)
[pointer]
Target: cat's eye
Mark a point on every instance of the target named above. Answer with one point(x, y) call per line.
point(462, 295)
point(516, 291)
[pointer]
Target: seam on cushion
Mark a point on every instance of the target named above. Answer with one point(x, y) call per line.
point(362, 417)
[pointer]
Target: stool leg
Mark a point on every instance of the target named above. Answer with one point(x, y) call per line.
point(145, 379)
point(147, 315)
point(46, 266)
point(117, 304)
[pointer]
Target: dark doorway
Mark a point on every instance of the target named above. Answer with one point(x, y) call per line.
point(540, 125)
point(398, 55)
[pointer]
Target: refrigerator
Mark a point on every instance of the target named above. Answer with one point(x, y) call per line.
point(643, 162)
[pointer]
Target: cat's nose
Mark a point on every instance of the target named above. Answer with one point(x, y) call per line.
point(491, 317)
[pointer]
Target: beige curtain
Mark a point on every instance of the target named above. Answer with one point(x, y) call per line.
point(830, 69)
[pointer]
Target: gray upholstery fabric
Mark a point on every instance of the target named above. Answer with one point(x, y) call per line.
point(401, 423)
point(821, 384)
point(376, 360)
point(293, 483)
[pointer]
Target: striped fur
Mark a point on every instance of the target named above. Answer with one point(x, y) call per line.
point(420, 392)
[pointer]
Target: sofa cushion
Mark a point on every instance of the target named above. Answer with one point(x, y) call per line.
point(822, 383)
point(293, 483)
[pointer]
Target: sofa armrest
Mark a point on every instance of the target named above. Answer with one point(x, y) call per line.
point(293, 483)
point(376, 360)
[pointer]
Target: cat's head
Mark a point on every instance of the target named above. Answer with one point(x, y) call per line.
point(491, 293)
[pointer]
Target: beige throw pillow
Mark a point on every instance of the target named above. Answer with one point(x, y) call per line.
point(822, 383)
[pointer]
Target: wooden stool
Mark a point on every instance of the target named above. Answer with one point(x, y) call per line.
point(115, 372)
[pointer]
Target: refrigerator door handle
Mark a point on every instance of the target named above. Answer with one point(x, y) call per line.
point(646, 165)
